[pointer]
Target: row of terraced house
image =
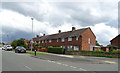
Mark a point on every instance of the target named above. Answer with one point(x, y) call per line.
point(76, 39)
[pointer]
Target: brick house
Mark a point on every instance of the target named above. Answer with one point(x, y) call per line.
point(80, 39)
point(115, 42)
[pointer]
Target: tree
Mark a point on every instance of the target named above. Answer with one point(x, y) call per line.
point(14, 43)
point(35, 45)
point(97, 44)
point(2, 43)
point(19, 42)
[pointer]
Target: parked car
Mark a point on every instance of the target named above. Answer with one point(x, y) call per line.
point(3, 48)
point(0, 47)
point(8, 48)
point(20, 49)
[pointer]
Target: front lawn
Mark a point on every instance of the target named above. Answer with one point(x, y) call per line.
point(37, 53)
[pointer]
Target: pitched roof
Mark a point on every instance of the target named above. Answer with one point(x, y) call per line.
point(77, 32)
point(118, 36)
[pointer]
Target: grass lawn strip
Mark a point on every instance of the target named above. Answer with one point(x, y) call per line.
point(37, 53)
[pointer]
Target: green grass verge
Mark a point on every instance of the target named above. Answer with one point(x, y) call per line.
point(37, 53)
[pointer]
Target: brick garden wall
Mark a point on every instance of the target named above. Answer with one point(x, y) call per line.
point(82, 53)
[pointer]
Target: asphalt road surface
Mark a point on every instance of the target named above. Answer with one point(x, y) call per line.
point(24, 62)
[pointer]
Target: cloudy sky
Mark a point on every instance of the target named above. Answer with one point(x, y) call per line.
point(49, 17)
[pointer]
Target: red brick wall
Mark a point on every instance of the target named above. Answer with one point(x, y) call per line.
point(54, 42)
point(116, 41)
point(88, 34)
point(82, 42)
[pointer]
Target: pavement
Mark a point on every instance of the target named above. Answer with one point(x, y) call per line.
point(81, 58)
point(56, 62)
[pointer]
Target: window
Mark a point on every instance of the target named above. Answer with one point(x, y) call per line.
point(63, 46)
point(50, 40)
point(89, 40)
point(76, 47)
point(69, 38)
point(39, 42)
point(62, 39)
point(43, 41)
point(69, 48)
point(77, 38)
point(57, 40)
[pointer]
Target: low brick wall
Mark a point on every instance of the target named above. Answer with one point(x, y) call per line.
point(82, 53)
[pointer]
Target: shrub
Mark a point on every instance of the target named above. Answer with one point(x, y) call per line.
point(25, 46)
point(40, 47)
point(115, 51)
point(99, 50)
point(57, 50)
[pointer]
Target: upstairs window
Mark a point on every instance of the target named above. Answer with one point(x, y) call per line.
point(69, 38)
point(88, 40)
point(62, 39)
point(50, 40)
point(39, 42)
point(43, 41)
point(77, 38)
point(57, 40)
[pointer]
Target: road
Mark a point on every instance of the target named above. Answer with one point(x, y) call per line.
point(24, 62)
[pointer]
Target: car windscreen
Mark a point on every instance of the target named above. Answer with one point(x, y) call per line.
point(20, 47)
point(8, 46)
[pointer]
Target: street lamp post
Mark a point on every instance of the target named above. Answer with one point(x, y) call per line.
point(32, 24)
point(32, 35)
point(32, 40)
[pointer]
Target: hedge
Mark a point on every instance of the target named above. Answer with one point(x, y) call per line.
point(57, 50)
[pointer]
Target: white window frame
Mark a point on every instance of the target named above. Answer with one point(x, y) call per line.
point(39, 42)
point(77, 38)
point(57, 40)
point(45, 41)
point(76, 48)
point(69, 38)
point(50, 41)
point(42, 41)
point(88, 40)
point(62, 39)
point(70, 48)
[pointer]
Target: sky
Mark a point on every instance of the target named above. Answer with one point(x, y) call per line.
point(49, 17)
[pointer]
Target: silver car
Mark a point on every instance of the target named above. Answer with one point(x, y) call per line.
point(8, 48)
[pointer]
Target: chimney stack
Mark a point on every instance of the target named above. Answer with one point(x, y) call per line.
point(73, 28)
point(59, 31)
point(37, 36)
point(43, 34)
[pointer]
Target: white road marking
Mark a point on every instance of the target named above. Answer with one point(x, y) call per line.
point(76, 68)
point(65, 64)
point(66, 56)
point(59, 63)
point(28, 67)
point(111, 62)
point(83, 69)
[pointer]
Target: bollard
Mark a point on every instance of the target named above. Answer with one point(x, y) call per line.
point(35, 52)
